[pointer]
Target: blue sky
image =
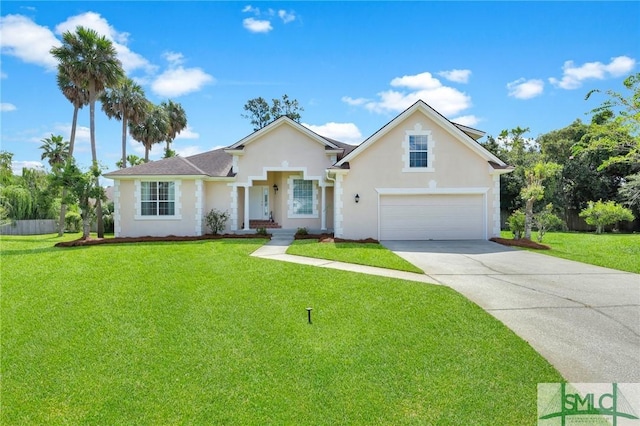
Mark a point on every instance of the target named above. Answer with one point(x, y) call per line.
point(353, 66)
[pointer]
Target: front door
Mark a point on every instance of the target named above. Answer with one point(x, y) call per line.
point(259, 202)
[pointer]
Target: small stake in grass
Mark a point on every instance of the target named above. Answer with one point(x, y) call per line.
point(309, 314)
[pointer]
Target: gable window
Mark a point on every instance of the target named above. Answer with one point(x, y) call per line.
point(303, 200)
point(418, 150)
point(157, 199)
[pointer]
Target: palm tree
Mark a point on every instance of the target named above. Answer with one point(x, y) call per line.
point(57, 152)
point(151, 129)
point(78, 98)
point(177, 121)
point(127, 103)
point(90, 62)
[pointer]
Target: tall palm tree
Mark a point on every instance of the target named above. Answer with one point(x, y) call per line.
point(57, 152)
point(152, 129)
point(177, 119)
point(90, 62)
point(78, 98)
point(126, 103)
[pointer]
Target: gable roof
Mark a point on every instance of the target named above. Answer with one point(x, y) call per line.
point(216, 163)
point(283, 120)
point(455, 130)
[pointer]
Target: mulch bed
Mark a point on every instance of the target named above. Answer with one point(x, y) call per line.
point(329, 238)
point(122, 240)
point(520, 243)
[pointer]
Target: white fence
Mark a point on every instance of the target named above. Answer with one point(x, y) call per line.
point(29, 227)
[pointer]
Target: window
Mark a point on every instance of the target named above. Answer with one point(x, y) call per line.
point(157, 199)
point(418, 151)
point(302, 196)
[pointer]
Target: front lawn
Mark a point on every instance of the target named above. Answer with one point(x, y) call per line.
point(370, 254)
point(202, 333)
point(616, 251)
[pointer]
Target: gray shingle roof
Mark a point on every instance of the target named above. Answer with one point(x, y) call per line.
point(214, 163)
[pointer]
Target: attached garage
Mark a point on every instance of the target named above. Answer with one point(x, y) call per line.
point(432, 217)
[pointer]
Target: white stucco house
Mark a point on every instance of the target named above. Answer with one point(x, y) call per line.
point(419, 177)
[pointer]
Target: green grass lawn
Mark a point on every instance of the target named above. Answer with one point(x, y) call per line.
point(370, 254)
point(616, 251)
point(202, 333)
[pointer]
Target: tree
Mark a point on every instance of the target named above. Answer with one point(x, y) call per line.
point(6, 173)
point(125, 102)
point(545, 219)
point(56, 151)
point(91, 63)
point(132, 159)
point(176, 122)
point(83, 187)
point(534, 190)
point(601, 214)
point(616, 125)
point(261, 113)
point(152, 129)
point(630, 191)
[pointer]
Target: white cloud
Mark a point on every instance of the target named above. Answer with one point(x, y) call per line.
point(3, 75)
point(188, 151)
point(179, 81)
point(257, 25)
point(130, 60)
point(28, 41)
point(573, 75)
point(446, 100)
point(286, 16)
point(188, 133)
point(343, 132)
point(17, 166)
point(467, 120)
point(525, 89)
point(419, 81)
point(6, 107)
point(354, 101)
point(174, 58)
point(457, 76)
point(250, 9)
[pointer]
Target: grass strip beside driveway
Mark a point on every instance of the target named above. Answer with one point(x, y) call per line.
point(615, 251)
point(369, 254)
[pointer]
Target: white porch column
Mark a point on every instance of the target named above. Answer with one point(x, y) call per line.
point(234, 208)
point(246, 208)
point(323, 214)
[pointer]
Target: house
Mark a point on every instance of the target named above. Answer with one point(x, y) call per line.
point(419, 177)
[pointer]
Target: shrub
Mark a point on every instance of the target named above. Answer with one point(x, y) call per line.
point(608, 213)
point(261, 231)
point(73, 222)
point(516, 224)
point(216, 220)
point(302, 231)
point(545, 220)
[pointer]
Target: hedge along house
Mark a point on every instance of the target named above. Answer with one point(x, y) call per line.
point(419, 177)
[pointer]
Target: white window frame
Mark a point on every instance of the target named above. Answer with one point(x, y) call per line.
point(406, 145)
point(290, 201)
point(176, 201)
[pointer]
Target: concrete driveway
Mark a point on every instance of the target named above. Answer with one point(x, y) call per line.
point(584, 319)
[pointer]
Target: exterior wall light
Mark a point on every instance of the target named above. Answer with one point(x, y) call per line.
point(357, 198)
point(275, 188)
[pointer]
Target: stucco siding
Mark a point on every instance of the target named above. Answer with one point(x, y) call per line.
point(217, 195)
point(455, 167)
point(132, 225)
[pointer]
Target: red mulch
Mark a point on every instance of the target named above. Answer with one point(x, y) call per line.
point(329, 238)
point(520, 243)
point(121, 240)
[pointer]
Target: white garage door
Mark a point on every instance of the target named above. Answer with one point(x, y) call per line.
point(432, 217)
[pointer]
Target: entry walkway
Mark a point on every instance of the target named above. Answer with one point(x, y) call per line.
point(276, 249)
